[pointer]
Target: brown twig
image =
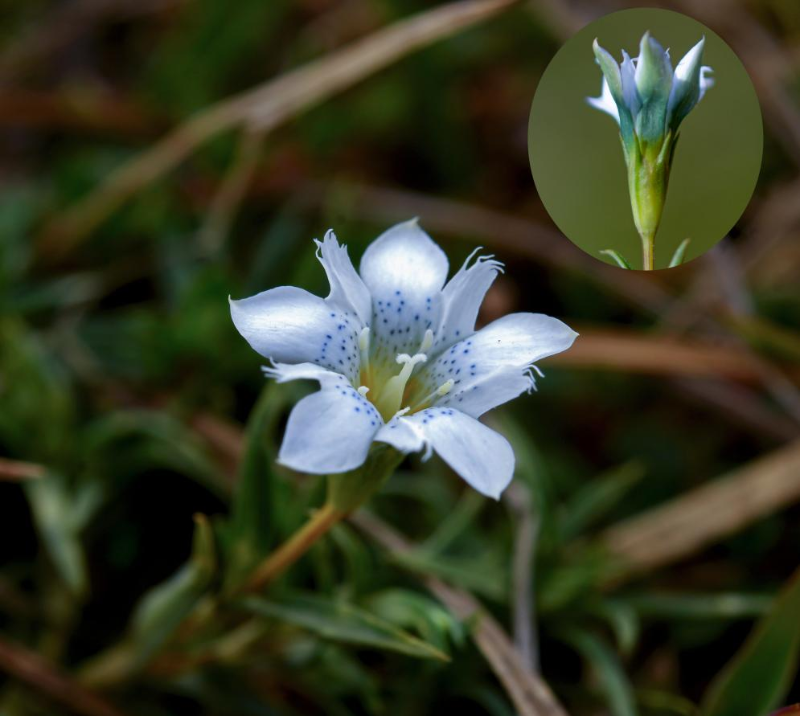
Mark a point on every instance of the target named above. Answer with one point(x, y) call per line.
point(15, 471)
point(47, 681)
point(706, 515)
point(633, 352)
point(529, 693)
point(518, 498)
point(226, 201)
point(263, 109)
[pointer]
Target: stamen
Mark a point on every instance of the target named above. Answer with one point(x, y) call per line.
point(441, 391)
point(445, 387)
point(391, 397)
point(427, 341)
point(363, 346)
point(363, 390)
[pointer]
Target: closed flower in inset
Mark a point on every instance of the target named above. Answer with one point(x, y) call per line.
point(649, 101)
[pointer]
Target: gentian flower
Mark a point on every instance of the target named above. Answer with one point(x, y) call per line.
point(397, 358)
point(649, 101)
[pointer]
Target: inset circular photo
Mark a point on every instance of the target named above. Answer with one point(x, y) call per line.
point(645, 139)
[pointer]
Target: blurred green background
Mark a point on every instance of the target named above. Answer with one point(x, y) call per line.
point(138, 436)
point(577, 159)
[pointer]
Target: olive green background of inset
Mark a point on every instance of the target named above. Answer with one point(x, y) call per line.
point(576, 155)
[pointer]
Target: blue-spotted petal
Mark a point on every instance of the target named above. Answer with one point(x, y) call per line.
point(291, 325)
point(605, 102)
point(475, 452)
point(462, 298)
point(348, 291)
point(688, 86)
point(493, 366)
point(329, 431)
point(404, 271)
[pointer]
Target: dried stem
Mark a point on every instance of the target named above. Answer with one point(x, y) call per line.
point(47, 681)
point(706, 515)
point(289, 552)
point(531, 696)
point(263, 109)
point(15, 471)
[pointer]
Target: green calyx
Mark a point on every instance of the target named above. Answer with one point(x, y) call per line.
point(349, 490)
point(648, 177)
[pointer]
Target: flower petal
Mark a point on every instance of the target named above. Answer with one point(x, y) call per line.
point(688, 85)
point(706, 83)
point(492, 366)
point(347, 289)
point(605, 102)
point(290, 325)
point(654, 82)
point(627, 71)
point(612, 74)
point(462, 298)
point(478, 454)
point(405, 271)
point(331, 430)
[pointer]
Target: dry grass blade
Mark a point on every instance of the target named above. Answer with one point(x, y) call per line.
point(687, 524)
point(633, 352)
point(13, 471)
point(263, 108)
point(50, 683)
point(530, 695)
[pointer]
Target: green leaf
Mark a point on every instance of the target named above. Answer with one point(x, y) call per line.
point(159, 613)
point(621, 261)
point(613, 680)
point(680, 254)
point(623, 620)
point(59, 526)
point(342, 622)
point(417, 612)
point(597, 498)
point(699, 606)
point(248, 533)
point(761, 672)
point(163, 608)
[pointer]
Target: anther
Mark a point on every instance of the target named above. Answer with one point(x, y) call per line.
point(363, 390)
point(441, 391)
point(427, 341)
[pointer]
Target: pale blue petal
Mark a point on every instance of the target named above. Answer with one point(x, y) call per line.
point(476, 453)
point(404, 271)
point(348, 291)
point(290, 325)
point(688, 86)
point(462, 298)
point(706, 82)
point(330, 431)
point(630, 92)
point(605, 102)
point(493, 366)
point(403, 435)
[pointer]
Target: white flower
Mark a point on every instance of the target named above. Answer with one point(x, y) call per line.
point(397, 358)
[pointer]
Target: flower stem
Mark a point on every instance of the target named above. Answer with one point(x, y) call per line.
point(648, 252)
point(298, 544)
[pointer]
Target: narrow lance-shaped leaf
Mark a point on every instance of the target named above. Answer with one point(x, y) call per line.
point(613, 681)
point(59, 526)
point(248, 533)
point(342, 622)
point(761, 672)
point(618, 258)
point(680, 254)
